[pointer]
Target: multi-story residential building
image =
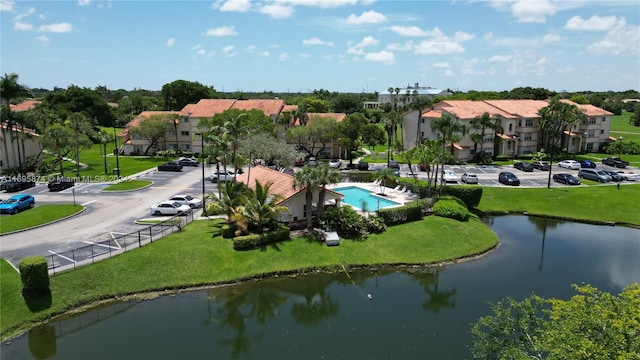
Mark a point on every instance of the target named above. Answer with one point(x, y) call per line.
point(405, 95)
point(25, 143)
point(519, 121)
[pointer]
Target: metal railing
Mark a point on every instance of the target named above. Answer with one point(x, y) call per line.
point(108, 245)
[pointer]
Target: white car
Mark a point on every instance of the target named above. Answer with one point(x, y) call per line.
point(469, 178)
point(450, 176)
point(629, 176)
point(569, 164)
point(222, 176)
point(186, 199)
point(335, 163)
point(169, 208)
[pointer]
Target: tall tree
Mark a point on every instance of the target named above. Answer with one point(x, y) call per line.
point(306, 178)
point(325, 176)
point(153, 128)
point(449, 130)
point(261, 210)
point(180, 93)
point(350, 133)
point(79, 100)
point(57, 138)
point(235, 129)
point(484, 122)
point(82, 130)
point(10, 90)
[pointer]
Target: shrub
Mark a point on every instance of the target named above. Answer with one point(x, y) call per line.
point(35, 275)
point(253, 241)
point(451, 209)
point(469, 194)
point(375, 225)
point(401, 214)
point(345, 221)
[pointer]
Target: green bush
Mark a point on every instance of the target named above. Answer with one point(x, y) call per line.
point(401, 214)
point(359, 176)
point(345, 221)
point(253, 241)
point(35, 275)
point(469, 194)
point(451, 209)
point(375, 225)
point(228, 231)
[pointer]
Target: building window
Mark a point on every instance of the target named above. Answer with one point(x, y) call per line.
point(510, 127)
point(472, 152)
point(589, 147)
point(519, 122)
point(592, 120)
point(527, 136)
point(184, 133)
point(508, 144)
point(591, 133)
point(528, 123)
point(602, 132)
point(186, 146)
point(185, 119)
point(573, 141)
point(488, 137)
point(526, 150)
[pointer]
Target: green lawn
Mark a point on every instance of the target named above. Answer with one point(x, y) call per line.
point(128, 185)
point(41, 214)
point(198, 256)
point(593, 203)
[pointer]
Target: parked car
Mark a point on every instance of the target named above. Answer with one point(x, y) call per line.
point(299, 162)
point(524, 166)
point(3, 180)
point(569, 164)
point(61, 183)
point(393, 164)
point(469, 178)
point(188, 162)
point(170, 166)
point(222, 176)
point(186, 199)
point(615, 176)
point(424, 167)
point(169, 208)
point(629, 176)
point(567, 179)
point(312, 161)
point(615, 162)
point(363, 166)
point(595, 175)
point(17, 203)
point(540, 165)
point(450, 176)
point(335, 163)
point(16, 185)
point(587, 164)
point(508, 178)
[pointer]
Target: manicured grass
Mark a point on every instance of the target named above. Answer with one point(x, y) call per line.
point(41, 214)
point(593, 203)
point(128, 185)
point(198, 256)
point(621, 123)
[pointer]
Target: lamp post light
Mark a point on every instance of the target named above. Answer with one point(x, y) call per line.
point(115, 139)
point(202, 159)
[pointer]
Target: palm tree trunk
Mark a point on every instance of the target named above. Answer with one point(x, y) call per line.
point(6, 148)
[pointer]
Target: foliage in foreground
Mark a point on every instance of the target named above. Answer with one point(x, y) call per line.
point(591, 325)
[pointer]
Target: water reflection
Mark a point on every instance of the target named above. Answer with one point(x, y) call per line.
point(414, 312)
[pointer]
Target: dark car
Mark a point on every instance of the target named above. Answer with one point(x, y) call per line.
point(567, 179)
point(587, 164)
point(615, 176)
point(188, 162)
point(17, 185)
point(170, 166)
point(363, 165)
point(524, 166)
point(540, 165)
point(393, 164)
point(508, 178)
point(60, 183)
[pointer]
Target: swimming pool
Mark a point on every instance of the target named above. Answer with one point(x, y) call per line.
point(354, 196)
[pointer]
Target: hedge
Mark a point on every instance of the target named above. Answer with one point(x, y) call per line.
point(253, 241)
point(401, 214)
point(450, 208)
point(35, 275)
point(469, 194)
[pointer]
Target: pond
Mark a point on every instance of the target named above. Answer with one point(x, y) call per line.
point(409, 313)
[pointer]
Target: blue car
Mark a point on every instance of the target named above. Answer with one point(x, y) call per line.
point(17, 203)
point(588, 164)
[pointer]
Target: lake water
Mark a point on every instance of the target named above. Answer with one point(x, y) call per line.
point(413, 313)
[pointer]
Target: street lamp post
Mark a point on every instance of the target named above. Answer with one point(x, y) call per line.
point(202, 159)
point(115, 139)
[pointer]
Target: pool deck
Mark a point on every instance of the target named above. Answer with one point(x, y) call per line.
point(392, 194)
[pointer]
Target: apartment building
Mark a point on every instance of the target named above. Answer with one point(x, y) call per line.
point(518, 118)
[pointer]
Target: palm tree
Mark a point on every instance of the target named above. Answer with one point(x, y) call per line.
point(10, 90)
point(232, 195)
point(261, 210)
point(383, 175)
point(81, 126)
point(306, 178)
point(483, 122)
point(234, 131)
point(428, 154)
point(325, 176)
point(449, 129)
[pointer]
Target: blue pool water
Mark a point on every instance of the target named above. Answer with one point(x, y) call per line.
point(354, 196)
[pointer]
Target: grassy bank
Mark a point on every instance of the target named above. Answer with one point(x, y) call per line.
point(593, 203)
point(196, 257)
point(41, 214)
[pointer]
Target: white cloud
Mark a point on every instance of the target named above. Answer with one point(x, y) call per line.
point(316, 41)
point(551, 37)
point(487, 36)
point(367, 41)
point(277, 11)
point(367, 17)
point(101, 6)
point(620, 40)
point(22, 26)
point(408, 45)
point(385, 57)
point(283, 57)
point(500, 58)
point(171, 42)
point(431, 47)
point(263, 53)
point(59, 28)
point(461, 36)
point(6, 5)
point(304, 55)
point(594, 23)
point(444, 64)
point(84, 2)
point(228, 51)
point(448, 72)
point(532, 11)
point(232, 6)
point(250, 48)
point(42, 39)
point(409, 30)
point(324, 4)
point(222, 31)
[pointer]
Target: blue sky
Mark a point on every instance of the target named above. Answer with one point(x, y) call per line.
point(337, 45)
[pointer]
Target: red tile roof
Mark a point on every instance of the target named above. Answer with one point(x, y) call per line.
point(337, 116)
point(468, 109)
point(290, 108)
point(282, 184)
point(432, 113)
point(270, 107)
point(207, 107)
point(17, 128)
point(588, 110)
point(23, 106)
point(521, 108)
point(145, 114)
